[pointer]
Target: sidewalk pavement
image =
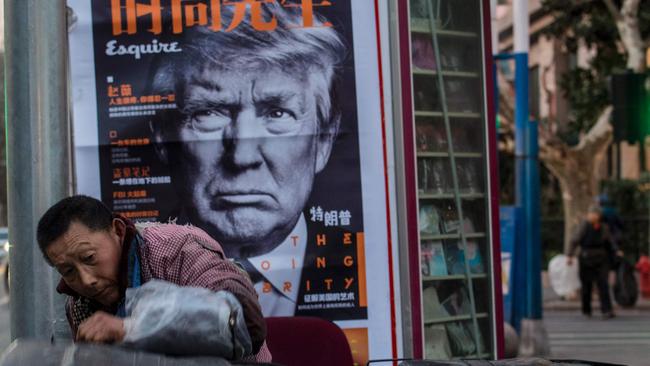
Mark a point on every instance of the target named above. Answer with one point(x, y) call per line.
point(552, 301)
point(623, 340)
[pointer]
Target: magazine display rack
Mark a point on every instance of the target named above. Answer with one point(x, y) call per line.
point(449, 118)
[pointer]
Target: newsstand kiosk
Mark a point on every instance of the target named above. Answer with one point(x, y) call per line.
point(447, 179)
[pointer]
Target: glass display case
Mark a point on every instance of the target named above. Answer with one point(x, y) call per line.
point(449, 120)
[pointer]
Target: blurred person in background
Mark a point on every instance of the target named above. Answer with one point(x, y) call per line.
point(597, 245)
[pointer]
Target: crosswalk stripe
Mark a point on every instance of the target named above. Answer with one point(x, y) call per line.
point(595, 342)
point(600, 335)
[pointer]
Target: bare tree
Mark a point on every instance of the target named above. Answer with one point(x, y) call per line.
point(577, 166)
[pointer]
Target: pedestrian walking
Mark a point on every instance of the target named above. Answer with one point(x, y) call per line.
point(611, 217)
point(597, 246)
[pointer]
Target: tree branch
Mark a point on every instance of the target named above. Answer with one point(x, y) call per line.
point(612, 9)
point(627, 23)
point(599, 135)
point(554, 153)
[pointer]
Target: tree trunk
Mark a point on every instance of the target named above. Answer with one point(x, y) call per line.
point(579, 190)
point(577, 170)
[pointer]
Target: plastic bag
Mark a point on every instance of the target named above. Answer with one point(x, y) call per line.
point(564, 278)
point(626, 290)
point(165, 318)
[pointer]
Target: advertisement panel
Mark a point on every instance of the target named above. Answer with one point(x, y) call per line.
point(259, 122)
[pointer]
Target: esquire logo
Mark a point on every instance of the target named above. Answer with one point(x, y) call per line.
point(137, 50)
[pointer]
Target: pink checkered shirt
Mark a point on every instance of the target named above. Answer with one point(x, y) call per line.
point(187, 256)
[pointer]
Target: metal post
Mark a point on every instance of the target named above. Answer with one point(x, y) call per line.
point(410, 347)
point(38, 151)
point(534, 339)
point(495, 51)
point(520, 56)
point(533, 212)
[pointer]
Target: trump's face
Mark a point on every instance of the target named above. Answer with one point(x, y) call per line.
point(249, 147)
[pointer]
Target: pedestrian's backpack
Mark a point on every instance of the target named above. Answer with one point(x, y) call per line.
point(626, 289)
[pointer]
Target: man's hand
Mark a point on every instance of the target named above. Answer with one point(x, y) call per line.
point(101, 327)
point(569, 260)
point(619, 253)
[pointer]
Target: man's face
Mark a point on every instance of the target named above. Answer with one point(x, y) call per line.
point(250, 147)
point(89, 260)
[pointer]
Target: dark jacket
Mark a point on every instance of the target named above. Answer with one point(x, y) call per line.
point(593, 240)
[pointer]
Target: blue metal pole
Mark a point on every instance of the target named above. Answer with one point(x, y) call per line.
point(521, 104)
point(534, 252)
point(521, 304)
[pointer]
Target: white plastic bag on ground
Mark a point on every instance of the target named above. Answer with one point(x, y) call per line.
point(564, 278)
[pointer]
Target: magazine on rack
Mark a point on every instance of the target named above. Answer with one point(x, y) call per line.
point(455, 255)
point(460, 335)
point(433, 259)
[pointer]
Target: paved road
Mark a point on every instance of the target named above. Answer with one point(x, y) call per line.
point(623, 340)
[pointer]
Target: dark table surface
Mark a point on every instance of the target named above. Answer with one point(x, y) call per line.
point(42, 353)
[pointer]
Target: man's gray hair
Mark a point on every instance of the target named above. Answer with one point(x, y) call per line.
point(316, 52)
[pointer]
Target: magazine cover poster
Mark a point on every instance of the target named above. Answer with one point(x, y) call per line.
point(240, 117)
